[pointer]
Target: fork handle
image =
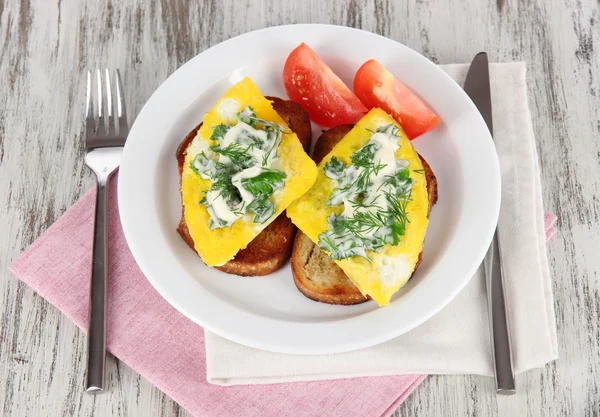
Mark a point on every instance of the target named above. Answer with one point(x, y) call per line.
point(96, 360)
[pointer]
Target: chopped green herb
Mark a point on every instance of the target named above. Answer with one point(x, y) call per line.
point(333, 168)
point(256, 142)
point(248, 116)
point(374, 202)
point(276, 133)
point(264, 183)
point(262, 208)
point(390, 130)
point(227, 191)
point(219, 132)
point(237, 153)
point(363, 158)
point(214, 222)
point(403, 174)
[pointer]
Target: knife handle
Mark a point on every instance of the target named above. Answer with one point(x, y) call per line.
point(501, 352)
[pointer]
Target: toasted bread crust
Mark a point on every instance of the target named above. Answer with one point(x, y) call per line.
point(296, 118)
point(270, 250)
point(316, 275)
point(328, 140)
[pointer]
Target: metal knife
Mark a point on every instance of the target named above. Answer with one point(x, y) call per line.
point(477, 87)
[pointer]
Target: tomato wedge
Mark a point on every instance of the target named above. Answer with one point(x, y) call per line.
point(375, 86)
point(311, 83)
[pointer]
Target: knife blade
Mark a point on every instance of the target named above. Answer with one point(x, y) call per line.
point(477, 87)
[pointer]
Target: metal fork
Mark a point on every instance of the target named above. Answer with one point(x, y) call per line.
point(105, 137)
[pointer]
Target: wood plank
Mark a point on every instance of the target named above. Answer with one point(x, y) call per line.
point(46, 49)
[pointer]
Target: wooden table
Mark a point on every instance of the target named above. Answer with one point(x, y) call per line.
point(46, 47)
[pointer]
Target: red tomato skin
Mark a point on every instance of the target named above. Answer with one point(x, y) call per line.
point(310, 82)
point(375, 86)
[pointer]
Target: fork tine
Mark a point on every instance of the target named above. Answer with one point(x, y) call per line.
point(100, 98)
point(121, 112)
point(109, 105)
point(89, 110)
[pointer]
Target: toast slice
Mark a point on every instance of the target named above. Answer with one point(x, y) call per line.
point(315, 273)
point(271, 249)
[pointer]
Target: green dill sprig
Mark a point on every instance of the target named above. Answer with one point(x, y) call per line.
point(238, 154)
point(276, 136)
point(219, 132)
point(248, 116)
point(377, 214)
point(256, 142)
point(363, 158)
point(202, 165)
point(226, 189)
point(334, 168)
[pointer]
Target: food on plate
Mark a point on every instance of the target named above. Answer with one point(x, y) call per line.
point(316, 275)
point(363, 213)
point(241, 170)
point(375, 86)
point(310, 82)
point(270, 250)
point(368, 209)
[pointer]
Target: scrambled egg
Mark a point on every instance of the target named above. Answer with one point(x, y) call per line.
point(218, 246)
point(391, 268)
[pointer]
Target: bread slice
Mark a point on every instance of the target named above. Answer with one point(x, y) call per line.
point(271, 249)
point(315, 273)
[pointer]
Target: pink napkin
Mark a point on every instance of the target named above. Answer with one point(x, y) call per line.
point(149, 335)
point(549, 220)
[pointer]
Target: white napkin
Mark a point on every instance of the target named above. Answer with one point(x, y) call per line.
point(456, 340)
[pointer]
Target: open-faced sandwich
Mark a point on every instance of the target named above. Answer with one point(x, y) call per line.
point(239, 170)
point(316, 275)
point(368, 210)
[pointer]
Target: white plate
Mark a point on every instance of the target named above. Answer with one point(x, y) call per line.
point(269, 312)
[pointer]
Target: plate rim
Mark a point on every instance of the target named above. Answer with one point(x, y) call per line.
point(382, 334)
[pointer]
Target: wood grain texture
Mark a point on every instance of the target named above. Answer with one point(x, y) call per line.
point(45, 48)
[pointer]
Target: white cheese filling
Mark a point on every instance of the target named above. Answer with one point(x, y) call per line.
point(394, 270)
point(242, 164)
